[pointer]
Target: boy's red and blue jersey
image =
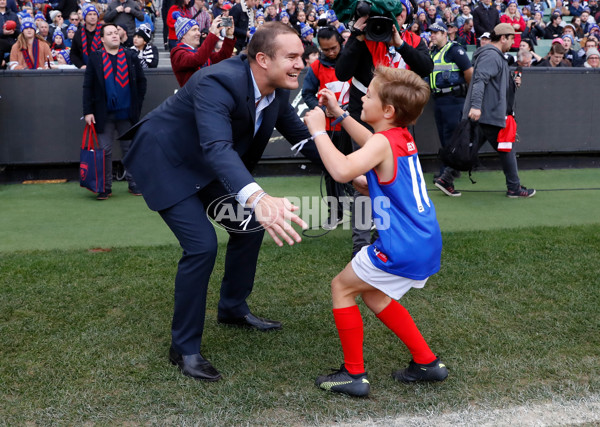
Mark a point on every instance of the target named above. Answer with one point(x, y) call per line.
point(410, 241)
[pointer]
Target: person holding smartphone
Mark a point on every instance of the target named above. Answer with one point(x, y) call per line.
point(189, 55)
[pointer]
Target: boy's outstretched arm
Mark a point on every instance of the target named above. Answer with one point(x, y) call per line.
point(357, 132)
point(345, 168)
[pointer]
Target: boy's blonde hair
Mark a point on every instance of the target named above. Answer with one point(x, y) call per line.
point(404, 90)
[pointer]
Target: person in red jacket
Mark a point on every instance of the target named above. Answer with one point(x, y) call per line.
point(180, 8)
point(189, 56)
point(514, 18)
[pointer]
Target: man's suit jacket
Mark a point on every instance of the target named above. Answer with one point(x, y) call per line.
point(94, 88)
point(205, 133)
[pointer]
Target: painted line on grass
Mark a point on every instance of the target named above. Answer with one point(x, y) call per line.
point(557, 413)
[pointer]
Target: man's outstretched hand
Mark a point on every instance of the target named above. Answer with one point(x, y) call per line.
point(275, 214)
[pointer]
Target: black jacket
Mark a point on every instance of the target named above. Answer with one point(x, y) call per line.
point(77, 47)
point(551, 32)
point(485, 19)
point(240, 19)
point(9, 15)
point(94, 89)
point(67, 6)
point(355, 60)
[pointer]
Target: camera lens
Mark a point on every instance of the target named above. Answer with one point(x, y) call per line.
point(379, 29)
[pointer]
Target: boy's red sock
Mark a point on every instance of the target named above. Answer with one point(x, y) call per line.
point(349, 324)
point(399, 320)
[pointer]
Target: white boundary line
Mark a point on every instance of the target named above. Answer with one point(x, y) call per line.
point(557, 413)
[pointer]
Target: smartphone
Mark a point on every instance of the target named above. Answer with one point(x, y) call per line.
point(227, 21)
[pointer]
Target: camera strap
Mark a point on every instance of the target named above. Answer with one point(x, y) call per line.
point(358, 85)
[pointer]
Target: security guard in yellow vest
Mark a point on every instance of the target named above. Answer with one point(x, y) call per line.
point(449, 81)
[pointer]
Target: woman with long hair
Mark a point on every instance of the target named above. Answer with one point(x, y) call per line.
point(448, 17)
point(300, 20)
point(422, 21)
point(311, 18)
point(415, 28)
point(30, 51)
point(180, 8)
point(576, 22)
point(513, 17)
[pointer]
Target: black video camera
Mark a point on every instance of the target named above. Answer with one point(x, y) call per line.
point(379, 28)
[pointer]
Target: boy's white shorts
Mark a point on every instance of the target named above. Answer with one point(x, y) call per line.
point(390, 284)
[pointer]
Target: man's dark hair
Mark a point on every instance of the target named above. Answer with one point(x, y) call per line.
point(328, 32)
point(263, 38)
point(309, 50)
point(529, 43)
point(110, 24)
point(495, 37)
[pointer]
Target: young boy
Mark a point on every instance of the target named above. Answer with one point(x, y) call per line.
point(409, 246)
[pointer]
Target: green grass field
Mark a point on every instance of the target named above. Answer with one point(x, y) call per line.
point(513, 312)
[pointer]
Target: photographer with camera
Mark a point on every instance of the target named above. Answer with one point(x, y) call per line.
point(360, 56)
point(535, 29)
point(188, 56)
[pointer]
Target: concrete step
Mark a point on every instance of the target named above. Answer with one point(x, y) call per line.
point(164, 60)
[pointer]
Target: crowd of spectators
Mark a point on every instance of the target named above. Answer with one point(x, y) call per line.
point(39, 34)
point(571, 26)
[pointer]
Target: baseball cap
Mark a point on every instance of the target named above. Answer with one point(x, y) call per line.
point(504, 30)
point(485, 35)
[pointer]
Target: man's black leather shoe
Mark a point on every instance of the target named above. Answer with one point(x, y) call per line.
point(194, 366)
point(251, 321)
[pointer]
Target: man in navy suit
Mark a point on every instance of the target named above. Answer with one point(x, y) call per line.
point(194, 154)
